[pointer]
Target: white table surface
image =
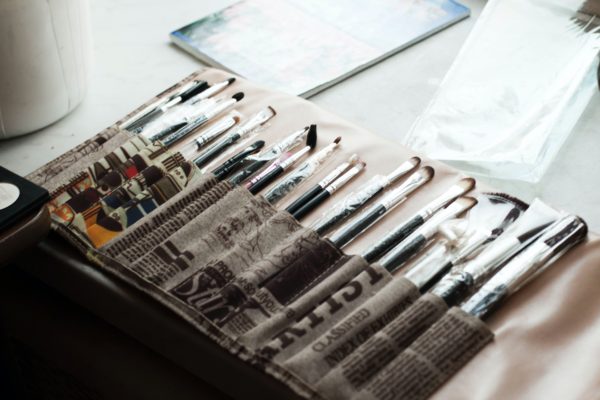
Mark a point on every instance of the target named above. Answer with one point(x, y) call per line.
point(134, 60)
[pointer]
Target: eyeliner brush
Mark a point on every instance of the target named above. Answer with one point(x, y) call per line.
point(259, 161)
point(329, 190)
point(397, 235)
point(212, 90)
point(195, 88)
point(390, 200)
point(419, 238)
point(351, 203)
point(218, 108)
point(223, 144)
point(320, 187)
point(231, 164)
point(264, 179)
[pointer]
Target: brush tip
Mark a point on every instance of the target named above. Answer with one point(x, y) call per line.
point(466, 184)
point(353, 159)
point(259, 144)
point(238, 96)
point(508, 198)
point(236, 118)
point(428, 172)
point(311, 138)
point(230, 80)
point(415, 160)
point(337, 140)
point(466, 201)
point(362, 164)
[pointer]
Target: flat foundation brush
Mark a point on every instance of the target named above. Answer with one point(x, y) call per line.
point(320, 187)
point(391, 239)
point(353, 202)
point(329, 190)
point(419, 238)
point(262, 180)
point(388, 202)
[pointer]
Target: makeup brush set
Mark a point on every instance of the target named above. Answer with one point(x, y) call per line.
point(270, 239)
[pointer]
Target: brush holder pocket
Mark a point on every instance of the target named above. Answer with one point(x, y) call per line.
point(260, 284)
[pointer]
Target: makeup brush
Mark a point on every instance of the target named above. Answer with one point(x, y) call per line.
point(216, 129)
point(463, 238)
point(554, 241)
point(218, 108)
point(212, 90)
point(455, 285)
point(351, 203)
point(419, 238)
point(382, 246)
point(231, 164)
point(256, 185)
point(329, 190)
point(259, 161)
point(300, 174)
point(320, 187)
point(246, 128)
point(138, 124)
point(390, 200)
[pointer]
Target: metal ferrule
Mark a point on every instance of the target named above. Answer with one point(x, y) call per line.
point(402, 170)
point(342, 180)
point(398, 194)
point(449, 195)
point(294, 157)
point(215, 130)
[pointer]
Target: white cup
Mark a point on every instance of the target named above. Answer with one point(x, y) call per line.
point(45, 55)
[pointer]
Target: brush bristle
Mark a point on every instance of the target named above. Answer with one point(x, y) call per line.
point(259, 144)
point(337, 140)
point(272, 110)
point(236, 118)
point(230, 80)
point(466, 201)
point(362, 164)
point(238, 96)
point(353, 159)
point(516, 201)
point(311, 138)
point(466, 183)
point(428, 172)
point(415, 161)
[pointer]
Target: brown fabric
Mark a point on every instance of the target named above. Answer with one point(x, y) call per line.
point(343, 271)
point(204, 200)
point(340, 304)
point(273, 282)
point(374, 354)
point(432, 359)
point(134, 234)
point(205, 239)
point(534, 329)
point(327, 351)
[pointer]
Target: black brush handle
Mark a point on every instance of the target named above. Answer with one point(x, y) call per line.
point(233, 163)
point(247, 172)
point(349, 232)
point(265, 180)
point(402, 255)
point(436, 277)
point(380, 248)
point(312, 204)
point(215, 150)
point(305, 198)
point(198, 87)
